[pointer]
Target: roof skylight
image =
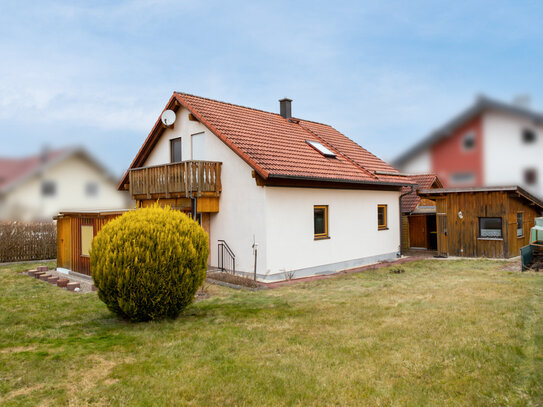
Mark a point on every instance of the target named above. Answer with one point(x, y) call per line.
point(320, 148)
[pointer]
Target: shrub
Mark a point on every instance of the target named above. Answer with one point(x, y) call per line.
point(148, 263)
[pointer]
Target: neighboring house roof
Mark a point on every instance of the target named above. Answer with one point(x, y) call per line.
point(276, 147)
point(482, 104)
point(521, 192)
point(412, 200)
point(14, 171)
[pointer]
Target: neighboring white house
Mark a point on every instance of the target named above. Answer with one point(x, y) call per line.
point(489, 144)
point(309, 199)
point(36, 188)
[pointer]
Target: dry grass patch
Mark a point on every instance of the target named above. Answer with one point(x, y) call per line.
point(443, 333)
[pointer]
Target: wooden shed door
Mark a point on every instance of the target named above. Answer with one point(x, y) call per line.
point(417, 231)
point(442, 235)
point(64, 231)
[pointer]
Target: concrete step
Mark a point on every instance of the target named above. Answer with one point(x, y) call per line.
point(45, 277)
point(72, 286)
point(62, 282)
point(37, 274)
point(52, 279)
point(31, 272)
point(43, 268)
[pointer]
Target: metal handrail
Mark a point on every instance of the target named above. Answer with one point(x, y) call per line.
point(231, 257)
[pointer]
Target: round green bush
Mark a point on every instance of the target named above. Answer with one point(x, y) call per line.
point(148, 263)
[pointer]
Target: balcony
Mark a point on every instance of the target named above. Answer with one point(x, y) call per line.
point(186, 179)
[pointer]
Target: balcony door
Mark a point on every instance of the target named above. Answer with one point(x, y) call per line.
point(175, 150)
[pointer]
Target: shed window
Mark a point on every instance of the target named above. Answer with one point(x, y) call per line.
point(87, 234)
point(175, 150)
point(468, 141)
point(320, 221)
point(520, 224)
point(382, 217)
point(528, 136)
point(490, 228)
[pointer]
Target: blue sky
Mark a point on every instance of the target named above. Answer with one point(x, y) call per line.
point(98, 73)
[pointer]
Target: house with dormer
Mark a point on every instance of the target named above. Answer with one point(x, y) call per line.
point(278, 195)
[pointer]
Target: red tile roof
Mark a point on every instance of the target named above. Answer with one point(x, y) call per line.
point(15, 169)
point(276, 147)
point(423, 181)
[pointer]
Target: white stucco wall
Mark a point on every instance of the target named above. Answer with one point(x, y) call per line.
point(25, 201)
point(506, 156)
point(418, 164)
point(352, 223)
point(241, 204)
point(280, 220)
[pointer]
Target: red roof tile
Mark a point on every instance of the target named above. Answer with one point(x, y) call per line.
point(14, 169)
point(423, 181)
point(276, 147)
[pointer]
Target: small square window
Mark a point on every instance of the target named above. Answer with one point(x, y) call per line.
point(520, 224)
point(91, 189)
point(48, 188)
point(468, 141)
point(490, 228)
point(528, 136)
point(320, 221)
point(382, 217)
point(530, 176)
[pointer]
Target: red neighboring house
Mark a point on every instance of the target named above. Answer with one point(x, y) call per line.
point(489, 144)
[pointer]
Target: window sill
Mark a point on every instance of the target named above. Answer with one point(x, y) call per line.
point(382, 229)
point(491, 238)
point(520, 237)
point(321, 237)
point(85, 255)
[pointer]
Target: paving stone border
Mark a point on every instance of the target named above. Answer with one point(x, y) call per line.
point(77, 284)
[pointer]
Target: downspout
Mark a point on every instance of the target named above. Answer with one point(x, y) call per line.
point(401, 223)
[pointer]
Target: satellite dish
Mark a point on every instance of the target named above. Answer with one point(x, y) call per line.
point(168, 117)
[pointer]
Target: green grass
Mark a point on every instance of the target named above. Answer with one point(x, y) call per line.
point(444, 333)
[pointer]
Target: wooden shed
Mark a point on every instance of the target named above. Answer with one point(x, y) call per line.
point(483, 222)
point(419, 215)
point(75, 231)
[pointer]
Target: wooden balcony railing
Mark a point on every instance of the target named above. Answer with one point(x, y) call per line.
point(182, 179)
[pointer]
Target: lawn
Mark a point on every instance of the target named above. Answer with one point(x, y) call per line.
point(444, 333)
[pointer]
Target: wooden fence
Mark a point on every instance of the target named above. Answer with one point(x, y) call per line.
point(27, 241)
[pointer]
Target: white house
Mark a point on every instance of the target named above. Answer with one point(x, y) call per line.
point(489, 144)
point(307, 198)
point(36, 188)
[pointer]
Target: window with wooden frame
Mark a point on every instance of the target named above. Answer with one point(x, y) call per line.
point(520, 224)
point(87, 234)
point(320, 221)
point(175, 150)
point(490, 228)
point(382, 223)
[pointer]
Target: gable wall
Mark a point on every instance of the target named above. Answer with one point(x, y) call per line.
point(449, 157)
point(26, 202)
point(241, 204)
point(507, 156)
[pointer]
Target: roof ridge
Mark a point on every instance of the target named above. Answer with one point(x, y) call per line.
point(228, 103)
